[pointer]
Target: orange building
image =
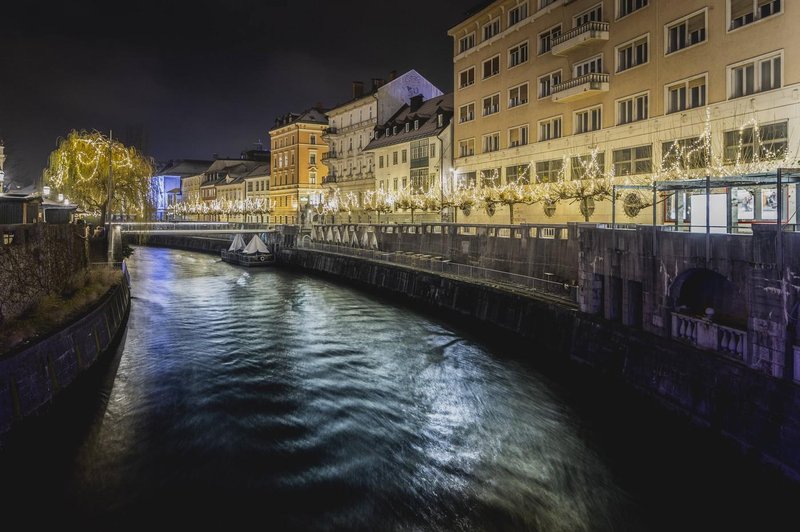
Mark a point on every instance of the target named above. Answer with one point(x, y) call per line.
point(297, 169)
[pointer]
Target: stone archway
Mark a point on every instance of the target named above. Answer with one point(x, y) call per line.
point(698, 289)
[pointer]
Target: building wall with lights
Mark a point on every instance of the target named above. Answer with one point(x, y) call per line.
point(297, 168)
point(351, 128)
point(548, 83)
point(413, 153)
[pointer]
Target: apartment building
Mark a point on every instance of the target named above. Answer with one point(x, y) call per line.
point(352, 126)
point(550, 85)
point(297, 167)
point(413, 151)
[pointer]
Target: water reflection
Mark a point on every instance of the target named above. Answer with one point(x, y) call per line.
point(284, 398)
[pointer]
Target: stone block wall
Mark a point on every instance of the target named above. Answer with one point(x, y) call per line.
point(37, 260)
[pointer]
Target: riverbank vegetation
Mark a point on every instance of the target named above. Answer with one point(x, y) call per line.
point(56, 311)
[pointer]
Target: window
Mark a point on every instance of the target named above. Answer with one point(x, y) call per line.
point(632, 161)
point(312, 139)
point(490, 177)
point(380, 161)
point(767, 142)
point(632, 109)
point(588, 120)
point(394, 157)
point(546, 39)
point(683, 154)
point(518, 95)
point(491, 29)
point(633, 53)
point(416, 124)
point(626, 7)
point(686, 94)
point(466, 77)
point(491, 67)
point(419, 180)
point(756, 75)
point(466, 147)
point(686, 32)
point(312, 158)
point(517, 14)
point(547, 82)
point(466, 113)
point(549, 171)
point(518, 54)
point(593, 65)
point(491, 142)
point(550, 129)
point(466, 180)
point(491, 105)
point(517, 136)
point(312, 177)
point(249, 186)
point(395, 184)
point(517, 173)
point(433, 150)
point(585, 167)
point(744, 12)
point(594, 14)
point(404, 156)
point(465, 43)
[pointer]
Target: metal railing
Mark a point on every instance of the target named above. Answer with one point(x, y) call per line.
point(435, 264)
point(571, 34)
point(155, 227)
point(594, 77)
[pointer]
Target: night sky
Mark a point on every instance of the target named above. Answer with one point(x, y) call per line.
point(199, 77)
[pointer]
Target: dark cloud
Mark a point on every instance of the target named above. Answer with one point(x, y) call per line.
point(199, 77)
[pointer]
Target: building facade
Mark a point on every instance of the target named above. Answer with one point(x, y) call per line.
point(413, 154)
point(351, 127)
point(632, 87)
point(297, 168)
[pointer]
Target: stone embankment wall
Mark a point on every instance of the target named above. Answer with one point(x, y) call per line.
point(190, 243)
point(37, 260)
point(758, 412)
point(31, 377)
point(533, 250)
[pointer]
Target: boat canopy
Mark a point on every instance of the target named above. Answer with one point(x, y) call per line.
point(256, 245)
point(237, 244)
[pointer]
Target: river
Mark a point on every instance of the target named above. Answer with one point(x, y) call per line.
point(299, 403)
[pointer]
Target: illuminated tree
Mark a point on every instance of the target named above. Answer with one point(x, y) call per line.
point(79, 169)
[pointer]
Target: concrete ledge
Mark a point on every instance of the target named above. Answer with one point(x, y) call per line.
point(31, 378)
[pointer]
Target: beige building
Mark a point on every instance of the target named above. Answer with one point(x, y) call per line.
point(351, 128)
point(545, 83)
point(297, 168)
point(413, 153)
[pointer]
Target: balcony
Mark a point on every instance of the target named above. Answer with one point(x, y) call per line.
point(577, 38)
point(329, 179)
point(580, 87)
point(327, 156)
point(705, 334)
point(328, 131)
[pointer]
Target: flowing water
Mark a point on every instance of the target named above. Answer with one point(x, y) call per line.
point(274, 400)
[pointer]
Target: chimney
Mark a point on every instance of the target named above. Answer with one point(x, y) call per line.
point(416, 103)
point(358, 89)
point(392, 75)
point(377, 83)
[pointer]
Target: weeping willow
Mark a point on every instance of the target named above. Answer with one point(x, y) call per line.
point(79, 169)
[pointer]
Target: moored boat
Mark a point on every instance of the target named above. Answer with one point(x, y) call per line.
point(255, 253)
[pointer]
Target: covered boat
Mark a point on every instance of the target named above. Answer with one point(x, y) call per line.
point(255, 253)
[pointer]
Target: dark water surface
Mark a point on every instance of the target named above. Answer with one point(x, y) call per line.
point(272, 400)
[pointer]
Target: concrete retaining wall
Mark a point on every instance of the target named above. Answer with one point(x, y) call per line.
point(31, 378)
point(760, 413)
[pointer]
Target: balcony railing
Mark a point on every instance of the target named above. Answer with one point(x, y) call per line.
point(580, 87)
point(328, 179)
point(329, 155)
point(330, 131)
point(705, 334)
point(579, 37)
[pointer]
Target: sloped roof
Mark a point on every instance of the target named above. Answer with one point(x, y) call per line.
point(185, 167)
point(314, 115)
point(259, 171)
point(428, 126)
